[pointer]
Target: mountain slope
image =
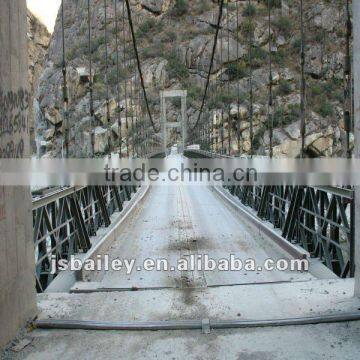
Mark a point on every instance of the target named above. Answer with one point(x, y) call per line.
point(175, 39)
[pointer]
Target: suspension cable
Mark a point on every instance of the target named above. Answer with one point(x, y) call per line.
point(92, 114)
point(137, 115)
point(139, 65)
point(250, 83)
point(108, 118)
point(211, 62)
point(125, 81)
point(348, 81)
point(132, 109)
point(222, 88)
point(228, 82)
point(64, 87)
point(238, 82)
point(270, 108)
point(118, 76)
point(303, 82)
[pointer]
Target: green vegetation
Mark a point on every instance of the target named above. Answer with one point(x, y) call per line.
point(247, 27)
point(284, 88)
point(259, 136)
point(279, 57)
point(154, 50)
point(175, 67)
point(149, 28)
point(219, 98)
point(273, 3)
point(259, 56)
point(250, 10)
point(284, 25)
point(180, 8)
point(201, 7)
point(324, 108)
point(193, 91)
point(78, 50)
point(284, 116)
point(237, 70)
point(297, 44)
point(323, 94)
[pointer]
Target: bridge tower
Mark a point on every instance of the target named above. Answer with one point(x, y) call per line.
point(17, 286)
point(165, 125)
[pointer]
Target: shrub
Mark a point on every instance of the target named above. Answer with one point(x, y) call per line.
point(250, 10)
point(175, 67)
point(284, 88)
point(155, 50)
point(284, 25)
point(180, 8)
point(237, 71)
point(247, 28)
point(259, 136)
point(325, 109)
point(201, 7)
point(99, 91)
point(273, 3)
point(169, 36)
point(96, 43)
point(316, 90)
point(220, 98)
point(259, 56)
point(279, 57)
point(148, 28)
point(284, 116)
point(297, 44)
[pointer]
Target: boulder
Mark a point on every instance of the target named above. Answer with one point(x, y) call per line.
point(323, 146)
point(157, 7)
point(49, 134)
point(313, 61)
point(101, 112)
point(53, 116)
point(101, 140)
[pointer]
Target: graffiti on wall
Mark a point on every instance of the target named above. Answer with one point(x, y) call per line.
point(14, 123)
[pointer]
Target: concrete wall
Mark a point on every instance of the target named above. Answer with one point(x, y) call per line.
point(356, 62)
point(17, 286)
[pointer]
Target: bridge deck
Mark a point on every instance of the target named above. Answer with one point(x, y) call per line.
point(166, 225)
point(177, 222)
point(324, 341)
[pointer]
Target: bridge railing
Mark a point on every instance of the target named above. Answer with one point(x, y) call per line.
point(65, 219)
point(318, 218)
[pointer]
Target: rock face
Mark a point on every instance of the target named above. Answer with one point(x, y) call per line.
point(175, 40)
point(38, 41)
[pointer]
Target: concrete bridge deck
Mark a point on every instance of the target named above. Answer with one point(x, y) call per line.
point(325, 341)
point(177, 222)
point(170, 222)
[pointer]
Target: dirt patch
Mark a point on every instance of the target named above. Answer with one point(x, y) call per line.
point(202, 242)
point(187, 287)
point(243, 246)
point(181, 224)
point(179, 245)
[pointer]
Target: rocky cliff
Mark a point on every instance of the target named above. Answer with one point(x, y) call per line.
point(38, 41)
point(175, 39)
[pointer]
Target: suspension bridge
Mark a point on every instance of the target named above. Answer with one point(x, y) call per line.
point(306, 314)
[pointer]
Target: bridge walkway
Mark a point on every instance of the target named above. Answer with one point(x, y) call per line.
point(174, 221)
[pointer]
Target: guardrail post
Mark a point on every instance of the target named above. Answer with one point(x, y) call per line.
point(356, 64)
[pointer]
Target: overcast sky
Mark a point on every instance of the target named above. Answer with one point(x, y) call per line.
point(45, 10)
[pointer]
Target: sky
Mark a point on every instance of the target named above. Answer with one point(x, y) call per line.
point(45, 11)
